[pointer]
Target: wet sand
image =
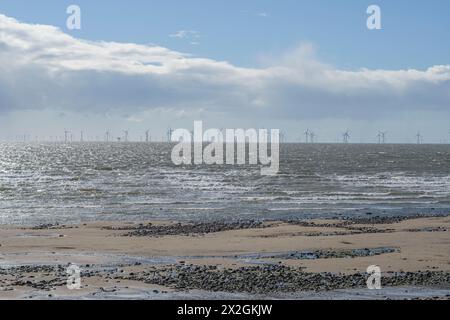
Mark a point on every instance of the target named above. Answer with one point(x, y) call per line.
point(241, 259)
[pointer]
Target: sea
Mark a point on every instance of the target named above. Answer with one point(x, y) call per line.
point(74, 182)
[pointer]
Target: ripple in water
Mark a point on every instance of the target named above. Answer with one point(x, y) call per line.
point(80, 181)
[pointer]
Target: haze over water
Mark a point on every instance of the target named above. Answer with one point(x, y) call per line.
point(57, 182)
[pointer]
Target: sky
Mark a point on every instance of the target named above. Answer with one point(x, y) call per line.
point(286, 64)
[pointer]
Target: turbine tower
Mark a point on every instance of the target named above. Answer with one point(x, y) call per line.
point(382, 137)
point(66, 136)
point(312, 136)
point(107, 136)
point(282, 136)
point(307, 134)
point(169, 135)
point(126, 135)
point(147, 135)
point(81, 136)
point(419, 138)
point(346, 136)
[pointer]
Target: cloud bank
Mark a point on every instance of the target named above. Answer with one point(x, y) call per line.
point(41, 67)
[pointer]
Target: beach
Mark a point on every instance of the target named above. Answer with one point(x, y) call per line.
point(241, 259)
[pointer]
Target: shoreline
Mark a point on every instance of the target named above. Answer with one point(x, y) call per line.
point(280, 259)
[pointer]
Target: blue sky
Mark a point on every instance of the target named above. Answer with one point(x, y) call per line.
point(285, 64)
point(414, 35)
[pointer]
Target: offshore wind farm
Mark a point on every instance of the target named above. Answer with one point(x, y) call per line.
point(309, 136)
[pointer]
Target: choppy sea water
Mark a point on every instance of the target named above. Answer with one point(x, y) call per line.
point(50, 182)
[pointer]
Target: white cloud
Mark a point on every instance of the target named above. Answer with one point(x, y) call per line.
point(41, 67)
point(189, 35)
point(182, 34)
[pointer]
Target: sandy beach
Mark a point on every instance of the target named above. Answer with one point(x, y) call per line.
point(243, 259)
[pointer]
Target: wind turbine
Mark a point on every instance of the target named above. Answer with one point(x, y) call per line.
point(346, 136)
point(126, 135)
point(419, 138)
point(307, 133)
point(81, 136)
point(169, 135)
point(312, 135)
point(147, 135)
point(66, 135)
point(281, 136)
point(382, 136)
point(107, 136)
